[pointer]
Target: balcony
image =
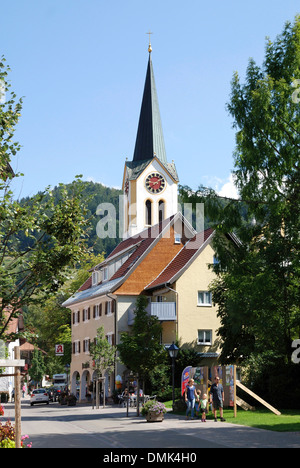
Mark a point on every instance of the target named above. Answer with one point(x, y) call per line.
point(164, 311)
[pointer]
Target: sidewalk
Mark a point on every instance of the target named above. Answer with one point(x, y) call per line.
point(193, 433)
point(81, 426)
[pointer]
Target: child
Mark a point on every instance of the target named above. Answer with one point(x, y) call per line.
point(197, 405)
point(203, 407)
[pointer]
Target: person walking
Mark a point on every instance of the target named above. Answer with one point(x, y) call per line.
point(217, 398)
point(190, 398)
point(203, 407)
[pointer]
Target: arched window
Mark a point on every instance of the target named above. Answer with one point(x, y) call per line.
point(161, 211)
point(148, 206)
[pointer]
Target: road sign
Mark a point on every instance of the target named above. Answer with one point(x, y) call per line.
point(59, 350)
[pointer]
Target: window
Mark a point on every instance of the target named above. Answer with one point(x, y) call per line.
point(110, 338)
point(86, 345)
point(95, 278)
point(205, 337)
point(148, 206)
point(177, 238)
point(96, 311)
point(86, 314)
point(204, 299)
point(76, 347)
point(161, 211)
point(110, 307)
point(76, 317)
point(105, 274)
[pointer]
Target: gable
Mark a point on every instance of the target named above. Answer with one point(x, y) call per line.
point(134, 169)
point(150, 252)
point(155, 261)
point(182, 261)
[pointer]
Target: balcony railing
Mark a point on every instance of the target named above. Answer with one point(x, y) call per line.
point(163, 310)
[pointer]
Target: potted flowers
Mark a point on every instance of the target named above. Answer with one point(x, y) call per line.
point(71, 400)
point(154, 411)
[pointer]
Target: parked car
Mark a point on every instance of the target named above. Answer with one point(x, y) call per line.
point(40, 395)
point(57, 391)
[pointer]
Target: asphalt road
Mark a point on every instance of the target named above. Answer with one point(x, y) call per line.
point(56, 426)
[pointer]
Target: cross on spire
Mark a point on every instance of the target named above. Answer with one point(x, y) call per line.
point(150, 47)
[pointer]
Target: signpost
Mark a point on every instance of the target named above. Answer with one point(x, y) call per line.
point(16, 363)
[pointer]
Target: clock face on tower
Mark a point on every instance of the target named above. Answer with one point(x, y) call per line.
point(155, 183)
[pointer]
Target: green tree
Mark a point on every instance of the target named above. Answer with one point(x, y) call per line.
point(49, 323)
point(257, 288)
point(141, 350)
point(37, 368)
point(56, 231)
point(104, 356)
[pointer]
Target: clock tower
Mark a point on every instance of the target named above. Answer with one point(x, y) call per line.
point(149, 181)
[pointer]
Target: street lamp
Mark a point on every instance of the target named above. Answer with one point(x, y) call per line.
point(173, 352)
point(67, 370)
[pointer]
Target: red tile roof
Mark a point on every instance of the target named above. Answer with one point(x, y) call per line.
point(185, 255)
point(139, 244)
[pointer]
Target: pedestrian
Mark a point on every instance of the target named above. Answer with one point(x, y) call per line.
point(23, 390)
point(217, 398)
point(190, 398)
point(197, 404)
point(203, 407)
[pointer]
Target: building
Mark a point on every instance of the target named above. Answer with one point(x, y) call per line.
point(160, 256)
point(12, 338)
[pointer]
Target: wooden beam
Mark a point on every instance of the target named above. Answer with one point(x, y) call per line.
point(12, 362)
point(243, 404)
point(234, 392)
point(17, 400)
point(260, 400)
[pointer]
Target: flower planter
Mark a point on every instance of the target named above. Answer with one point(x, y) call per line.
point(154, 417)
point(71, 402)
point(154, 411)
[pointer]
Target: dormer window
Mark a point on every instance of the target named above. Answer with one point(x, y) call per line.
point(177, 238)
point(95, 278)
point(105, 273)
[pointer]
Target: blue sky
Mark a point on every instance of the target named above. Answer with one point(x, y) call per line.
point(81, 66)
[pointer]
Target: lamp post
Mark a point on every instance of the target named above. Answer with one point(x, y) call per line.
point(173, 352)
point(67, 370)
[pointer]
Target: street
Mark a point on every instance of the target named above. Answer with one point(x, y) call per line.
point(56, 426)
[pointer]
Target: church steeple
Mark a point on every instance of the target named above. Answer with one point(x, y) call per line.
point(149, 181)
point(150, 140)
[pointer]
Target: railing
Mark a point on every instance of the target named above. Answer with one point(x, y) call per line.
point(163, 310)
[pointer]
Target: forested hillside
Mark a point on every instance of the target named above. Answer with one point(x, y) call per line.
point(95, 194)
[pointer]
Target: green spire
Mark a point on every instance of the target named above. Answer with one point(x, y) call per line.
point(150, 140)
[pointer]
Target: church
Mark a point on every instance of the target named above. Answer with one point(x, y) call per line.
point(160, 256)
